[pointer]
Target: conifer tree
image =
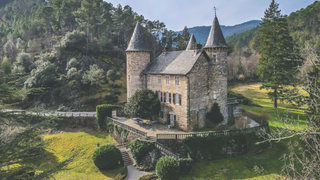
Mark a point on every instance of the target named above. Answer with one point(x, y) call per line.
point(279, 59)
point(183, 39)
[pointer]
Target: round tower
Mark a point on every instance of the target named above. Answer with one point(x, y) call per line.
point(216, 48)
point(138, 57)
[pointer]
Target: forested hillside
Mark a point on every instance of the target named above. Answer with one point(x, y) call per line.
point(201, 32)
point(304, 27)
point(68, 54)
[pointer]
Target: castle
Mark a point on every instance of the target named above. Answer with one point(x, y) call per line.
point(187, 82)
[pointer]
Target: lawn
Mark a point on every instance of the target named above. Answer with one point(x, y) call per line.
point(265, 108)
point(242, 167)
point(80, 145)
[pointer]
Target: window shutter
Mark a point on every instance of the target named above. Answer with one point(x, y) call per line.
point(165, 96)
point(161, 97)
point(180, 99)
point(174, 99)
point(170, 98)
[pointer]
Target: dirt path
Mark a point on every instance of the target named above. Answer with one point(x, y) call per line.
point(134, 174)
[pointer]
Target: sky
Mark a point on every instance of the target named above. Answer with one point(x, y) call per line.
point(179, 13)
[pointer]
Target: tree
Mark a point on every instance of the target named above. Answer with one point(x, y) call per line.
point(45, 15)
point(279, 60)
point(25, 61)
point(44, 76)
point(144, 103)
point(6, 66)
point(302, 162)
point(94, 76)
point(214, 115)
point(112, 75)
point(10, 50)
point(167, 168)
point(106, 156)
point(183, 39)
point(169, 39)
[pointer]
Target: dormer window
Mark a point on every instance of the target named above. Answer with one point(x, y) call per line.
point(214, 59)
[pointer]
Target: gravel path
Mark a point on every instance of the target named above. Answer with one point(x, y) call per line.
point(134, 174)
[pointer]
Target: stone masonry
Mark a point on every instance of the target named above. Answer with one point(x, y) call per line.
point(197, 77)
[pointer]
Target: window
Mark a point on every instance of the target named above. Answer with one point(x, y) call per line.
point(167, 96)
point(177, 99)
point(148, 79)
point(167, 80)
point(159, 79)
point(129, 78)
point(214, 59)
point(159, 96)
point(170, 98)
point(177, 81)
point(180, 99)
point(215, 94)
point(174, 98)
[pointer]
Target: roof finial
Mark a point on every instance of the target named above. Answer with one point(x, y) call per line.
point(215, 11)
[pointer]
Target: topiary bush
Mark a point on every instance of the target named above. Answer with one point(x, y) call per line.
point(106, 156)
point(103, 111)
point(140, 148)
point(214, 115)
point(185, 165)
point(167, 168)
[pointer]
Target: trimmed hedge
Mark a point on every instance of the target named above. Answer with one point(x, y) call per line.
point(106, 156)
point(167, 168)
point(214, 147)
point(103, 111)
point(185, 165)
point(140, 148)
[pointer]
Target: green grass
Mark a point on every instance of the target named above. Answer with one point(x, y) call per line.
point(81, 145)
point(242, 167)
point(275, 116)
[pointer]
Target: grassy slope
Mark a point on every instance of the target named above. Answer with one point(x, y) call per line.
point(65, 145)
point(242, 167)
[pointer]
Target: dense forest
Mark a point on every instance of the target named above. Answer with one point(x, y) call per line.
point(69, 54)
point(304, 27)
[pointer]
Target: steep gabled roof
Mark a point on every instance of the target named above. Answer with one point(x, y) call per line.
point(174, 63)
point(215, 38)
point(138, 40)
point(191, 43)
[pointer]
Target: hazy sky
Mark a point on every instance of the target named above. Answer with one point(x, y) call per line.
point(179, 13)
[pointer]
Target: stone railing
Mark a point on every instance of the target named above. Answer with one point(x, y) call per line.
point(264, 128)
point(129, 128)
point(166, 151)
point(58, 114)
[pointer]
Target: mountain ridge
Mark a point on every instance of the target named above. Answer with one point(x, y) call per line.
point(201, 32)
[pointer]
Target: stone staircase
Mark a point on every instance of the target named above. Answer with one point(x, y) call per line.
point(126, 157)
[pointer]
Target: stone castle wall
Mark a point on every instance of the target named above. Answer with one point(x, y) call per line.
point(199, 85)
point(181, 111)
point(136, 64)
point(218, 80)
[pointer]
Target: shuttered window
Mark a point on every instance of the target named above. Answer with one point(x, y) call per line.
point(180, 99)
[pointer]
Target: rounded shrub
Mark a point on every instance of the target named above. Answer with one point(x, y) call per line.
point(106, 156)
point(167, 168)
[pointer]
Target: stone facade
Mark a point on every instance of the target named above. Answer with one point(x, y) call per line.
point(202, 76)
point(180, 111)
point(136, 63)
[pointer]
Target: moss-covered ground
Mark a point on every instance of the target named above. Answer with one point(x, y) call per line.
point(269, 159)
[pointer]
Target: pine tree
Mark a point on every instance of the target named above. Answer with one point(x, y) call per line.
point(183, 39)
point(279, 59)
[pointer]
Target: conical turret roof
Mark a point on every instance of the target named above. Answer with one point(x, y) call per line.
point(215, 38)
point(191, 43)
point(138, 40)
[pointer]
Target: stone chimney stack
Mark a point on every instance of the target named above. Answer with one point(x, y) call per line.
point(164, 51)
point(196, 48)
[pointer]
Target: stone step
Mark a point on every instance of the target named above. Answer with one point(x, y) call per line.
point(126, 158)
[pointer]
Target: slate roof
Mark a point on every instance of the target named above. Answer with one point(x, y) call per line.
point(173, 63)
point(191, 43)
point(138, 41)
point(215, 38)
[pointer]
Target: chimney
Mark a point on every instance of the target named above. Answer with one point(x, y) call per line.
point(164, 51)
point(195, 48)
